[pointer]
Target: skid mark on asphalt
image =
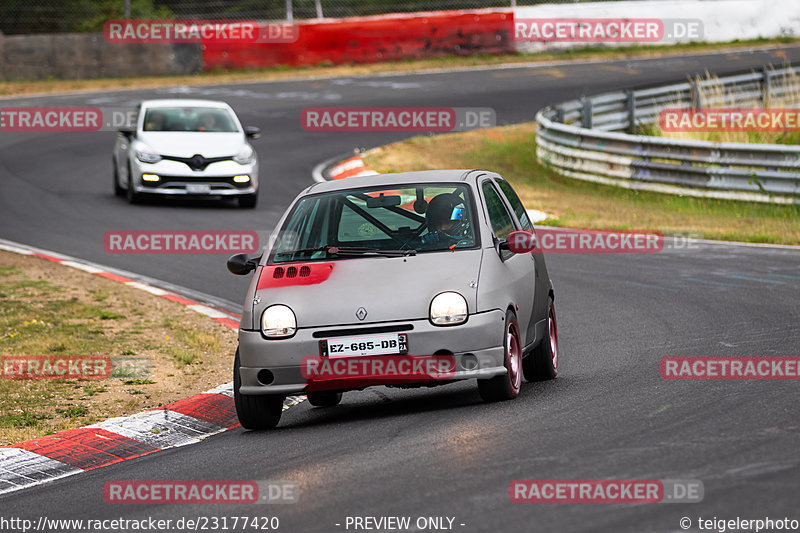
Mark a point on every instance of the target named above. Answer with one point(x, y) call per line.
point(648, 286)
point(304, 96)
point(761, 280)
point(551, 72)
point(379, 84)
point(624, 70)
point(786, 276)
point(709, 282)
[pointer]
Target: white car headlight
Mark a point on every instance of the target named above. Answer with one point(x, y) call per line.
point(448, 309)
point(246, 156)
point(278, 321)
point(145, 154)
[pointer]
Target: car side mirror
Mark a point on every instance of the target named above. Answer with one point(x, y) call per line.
point(128, 132)
point(520, 242)
point(252, 132)
point(241, 264)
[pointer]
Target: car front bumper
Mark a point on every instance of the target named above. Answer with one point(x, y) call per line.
point(476, 347)
point(176, 179)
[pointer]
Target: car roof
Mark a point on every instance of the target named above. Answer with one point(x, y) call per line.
point(401, 178)
point(183, 102)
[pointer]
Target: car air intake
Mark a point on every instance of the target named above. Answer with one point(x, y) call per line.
point(298, 274)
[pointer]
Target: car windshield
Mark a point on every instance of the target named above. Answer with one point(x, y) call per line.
point(396, 221)
point(210, 119)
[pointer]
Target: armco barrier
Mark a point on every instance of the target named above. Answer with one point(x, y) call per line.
point(372, 39)
point(584, 139)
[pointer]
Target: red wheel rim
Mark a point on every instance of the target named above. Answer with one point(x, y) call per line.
point(551, 323)
point(514, 355)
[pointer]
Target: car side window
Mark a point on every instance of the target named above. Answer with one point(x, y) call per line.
point(516, 204)
point(499, 217)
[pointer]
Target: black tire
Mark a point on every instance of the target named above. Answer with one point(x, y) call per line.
point(324, 398)
point(506, 387)
point(542, 363)
point(255, 412)
point(248, 201)
point(118, 191)
point(132, 196)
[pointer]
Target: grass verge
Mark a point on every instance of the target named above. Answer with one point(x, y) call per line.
point(49, 86)
point(510, 151)
point(160, 351)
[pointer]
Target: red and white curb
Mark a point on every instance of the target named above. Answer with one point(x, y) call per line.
point(350, 168)
point(180, 423)
point(355, 166)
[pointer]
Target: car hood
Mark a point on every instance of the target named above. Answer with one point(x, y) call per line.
point(389, 289)
point(187, 144)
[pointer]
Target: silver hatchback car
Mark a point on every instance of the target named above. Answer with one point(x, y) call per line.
point(413, 279)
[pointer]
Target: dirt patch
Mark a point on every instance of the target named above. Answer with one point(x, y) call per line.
point(160, 350)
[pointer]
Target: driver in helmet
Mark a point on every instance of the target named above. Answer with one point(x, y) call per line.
point(446, 218)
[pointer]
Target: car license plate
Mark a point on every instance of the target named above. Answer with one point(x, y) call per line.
point(198, 188)
point(395, 343)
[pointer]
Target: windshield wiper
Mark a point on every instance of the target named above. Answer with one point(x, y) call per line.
point(351, 250)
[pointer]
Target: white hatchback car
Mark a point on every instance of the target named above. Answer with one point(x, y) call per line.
point(192, 148)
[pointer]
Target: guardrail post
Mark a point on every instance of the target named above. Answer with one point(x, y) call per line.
point(695, 95)
point(586, 118)
point(766, 86)
point(560, 115)
point(631, 99)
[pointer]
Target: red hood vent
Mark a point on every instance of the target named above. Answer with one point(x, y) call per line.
point(280, 276)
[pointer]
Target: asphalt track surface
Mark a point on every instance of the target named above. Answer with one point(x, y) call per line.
point(442, 451)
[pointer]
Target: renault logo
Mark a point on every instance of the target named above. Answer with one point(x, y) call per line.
point(361, 314)
point(198, 162)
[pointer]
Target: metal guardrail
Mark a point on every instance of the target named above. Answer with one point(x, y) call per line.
point(591, 139)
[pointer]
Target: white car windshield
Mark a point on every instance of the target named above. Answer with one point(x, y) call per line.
point(208, 119)
point(401, 220)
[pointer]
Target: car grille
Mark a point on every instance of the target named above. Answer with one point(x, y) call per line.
point(216, 182)
point(361, 331)
point(197, 161)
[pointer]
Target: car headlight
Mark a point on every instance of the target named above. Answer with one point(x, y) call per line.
point(278, 321)
point(145, 154)
point(448, 309)
point(246, 156)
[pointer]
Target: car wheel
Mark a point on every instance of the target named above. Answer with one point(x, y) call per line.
point(542, 363)
point(324, 398)
point(255, 412)
point(118, 191)
point(506, 387)
point(248, 200)
point(132, 196)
